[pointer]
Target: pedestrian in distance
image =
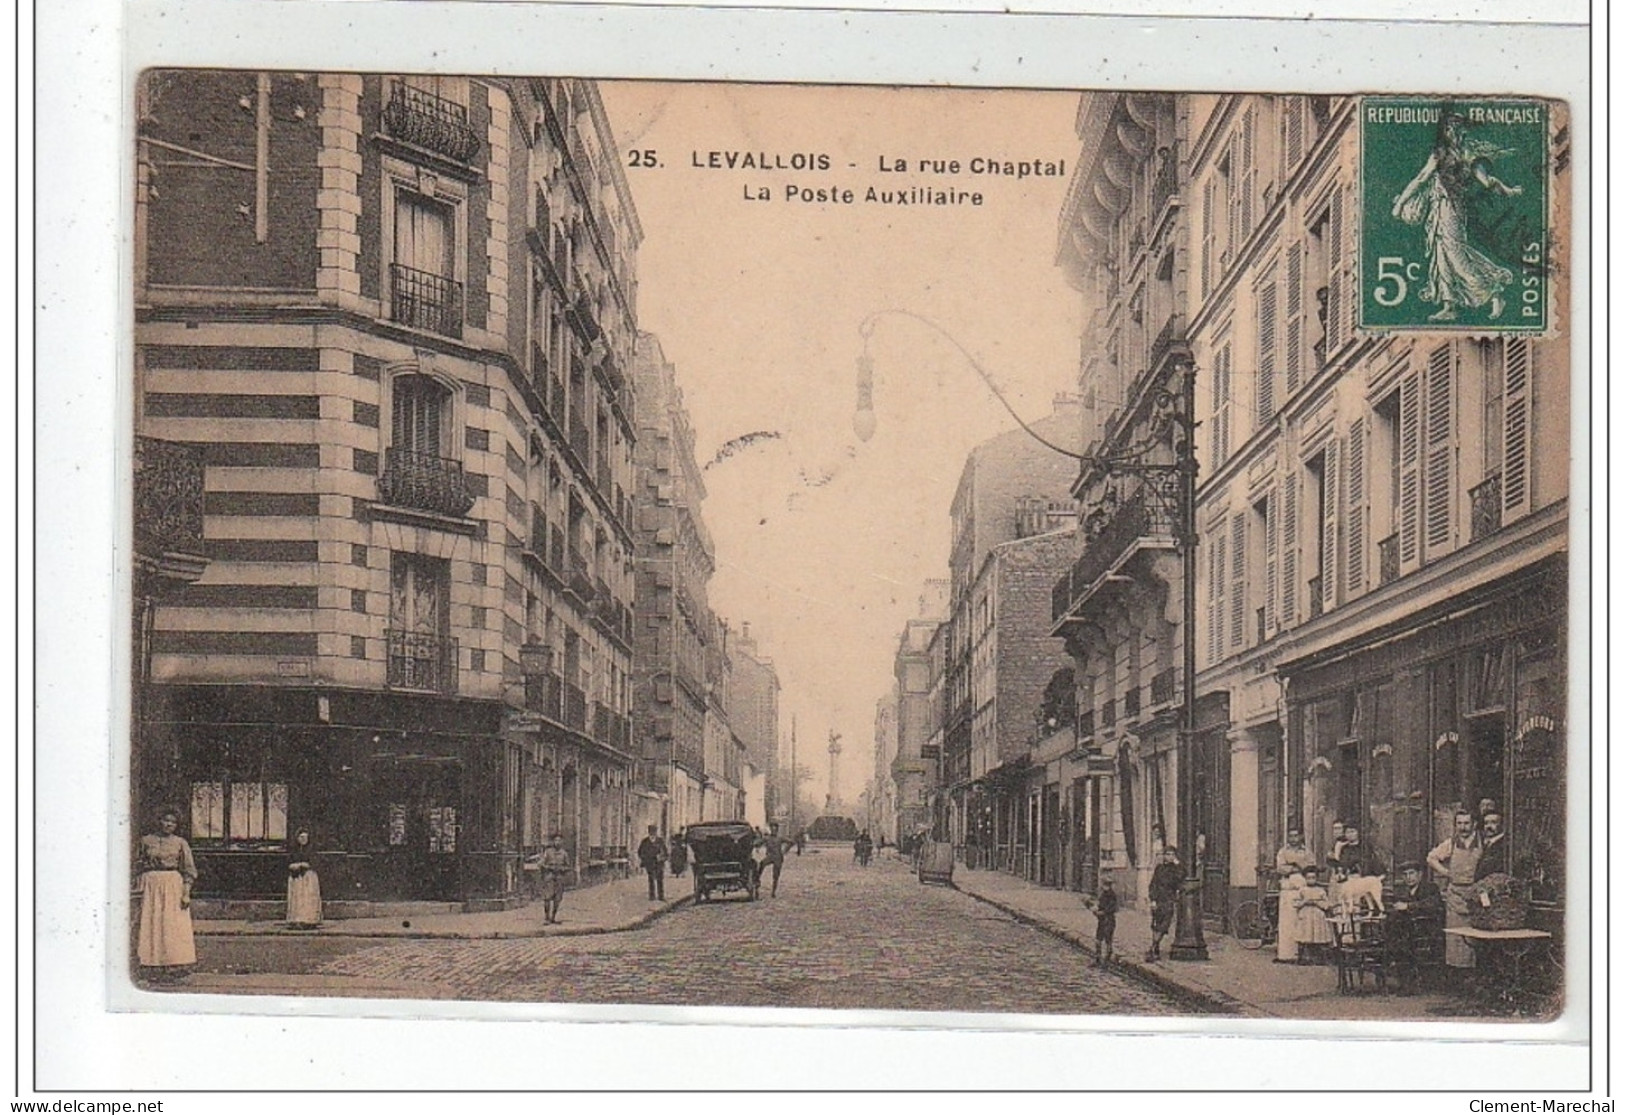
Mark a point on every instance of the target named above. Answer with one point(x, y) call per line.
point(554, 869)
point(652, 858)
point(1104, 904)
point(679, 853)
point(304, 887)
point(165, 949)
point(1166, 881)
point(801, 841)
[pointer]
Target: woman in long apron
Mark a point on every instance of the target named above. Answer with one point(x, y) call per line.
point(304, 887)
point(164, 946)
point(1456, 860)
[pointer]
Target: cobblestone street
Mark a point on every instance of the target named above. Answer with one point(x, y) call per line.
point(837, 936)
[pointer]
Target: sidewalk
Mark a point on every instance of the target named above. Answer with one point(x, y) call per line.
point(1233, 980)
point(610, 907)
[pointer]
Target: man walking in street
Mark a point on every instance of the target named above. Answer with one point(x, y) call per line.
point(652, 858)
point(1165, 884)
point(773, 844)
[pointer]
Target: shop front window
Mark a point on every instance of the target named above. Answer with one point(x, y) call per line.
point(246, 812)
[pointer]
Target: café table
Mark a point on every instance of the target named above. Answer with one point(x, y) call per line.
point(1504, 955)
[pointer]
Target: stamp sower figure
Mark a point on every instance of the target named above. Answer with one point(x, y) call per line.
point(1105, 907)
point(652, 858)
point(304, 887)
point(554, 871)
point(1290, 861)
point(1456, 860)
point(1164, 894)
point(164, 945)
point(1438, 199)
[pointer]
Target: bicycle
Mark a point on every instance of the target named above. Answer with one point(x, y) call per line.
point(1255, 921)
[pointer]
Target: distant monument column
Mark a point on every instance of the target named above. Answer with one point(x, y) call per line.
point(834, 754)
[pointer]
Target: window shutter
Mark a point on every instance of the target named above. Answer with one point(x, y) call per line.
point(1218, 584)
point(1207, 234)
point(1234, 233)
point(1294, 320)
point(1289, 552)
point(1336, 313)
point(1441, 451)
point(1292, 147)
point(1354, 515)
point(1266, 351)
point(1410, 481)
point(1221, 407)
point(1249, 169)
point(1515, 496)
point(1272, 559)
point(1238, 579)
point(1332, 512)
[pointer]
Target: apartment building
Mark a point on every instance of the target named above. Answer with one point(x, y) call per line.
point(391, 314)
point(1381, 517)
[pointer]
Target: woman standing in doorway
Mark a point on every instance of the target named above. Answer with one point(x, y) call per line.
point(164, 945)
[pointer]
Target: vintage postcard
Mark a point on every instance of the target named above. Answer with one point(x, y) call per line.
point(995, 551)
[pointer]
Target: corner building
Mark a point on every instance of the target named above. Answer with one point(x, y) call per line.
point(393, 314)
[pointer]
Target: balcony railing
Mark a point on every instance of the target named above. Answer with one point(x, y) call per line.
point(1317, 600)
point(575, 707)
point(1138, 517)
point(421, 661)
point(424, 300)
point(424, 483)
point(544, 693)
point(1162, 687)
point(1388, 559)
point(1486, 507)
point(432, 122)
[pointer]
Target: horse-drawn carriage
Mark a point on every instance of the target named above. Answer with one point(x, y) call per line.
point(725, 858)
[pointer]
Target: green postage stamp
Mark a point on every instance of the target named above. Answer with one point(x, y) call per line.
point(1454, 229)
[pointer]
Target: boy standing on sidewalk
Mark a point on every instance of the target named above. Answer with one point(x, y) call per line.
point(1104, 905)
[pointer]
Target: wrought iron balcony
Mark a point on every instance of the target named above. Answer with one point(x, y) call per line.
point(432, 122)
point(575, 707)
point(1141, 521)
point(424, 483)
point(1486, 507)
point(1162, 687)
point(421, 661)
point(1388, 559)
point(424, 300)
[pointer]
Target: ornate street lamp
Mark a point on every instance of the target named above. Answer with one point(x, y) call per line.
point(1173, 483)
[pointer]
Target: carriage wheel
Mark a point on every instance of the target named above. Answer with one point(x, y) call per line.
point(1249, 925)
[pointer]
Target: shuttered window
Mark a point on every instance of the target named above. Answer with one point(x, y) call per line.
point(1515, 404)
point(1266, 350)
point(1355, 510)
point(1336, 281)
point(1293, 357)
point(1238, 579)
point(1331, 525)
point(1209, 240)
point(1223, 383)
point(1289, 552)
point(1293, 111)
point(1440, 451)
point(1272, 559)
point(1218, 584)
point(1410, 473)
point(1247, 174)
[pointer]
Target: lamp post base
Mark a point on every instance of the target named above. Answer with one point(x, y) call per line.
point(1189, 943)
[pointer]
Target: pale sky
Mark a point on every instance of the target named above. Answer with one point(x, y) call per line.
point(823, 542)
